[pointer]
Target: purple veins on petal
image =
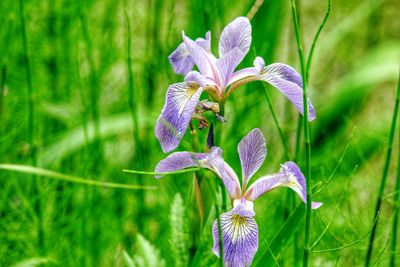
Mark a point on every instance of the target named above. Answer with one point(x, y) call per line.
point(195, 77)
point(181, 60)
point(235, 34)
point(289, 176)
point(180, 160)
point(239, 237)
point(180, 103)
point(212, 161)
point(204, 60)
point(227, 64)
point(252, 152)
point(289, 82)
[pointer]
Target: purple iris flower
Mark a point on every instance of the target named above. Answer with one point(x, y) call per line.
point(217, 77)
point(238, 227)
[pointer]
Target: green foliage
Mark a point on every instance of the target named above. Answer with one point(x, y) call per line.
point(83, 82)
point(179, 232)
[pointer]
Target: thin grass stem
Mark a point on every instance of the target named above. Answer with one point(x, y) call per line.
point(307, 144)
point(396, 203)
point(68, 178)
point(31, 127)
point(378, 202)
point(280, 131)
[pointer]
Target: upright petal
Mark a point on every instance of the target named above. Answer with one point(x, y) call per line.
point(289, 82)
point(235, 34)
point(181, 60)
point(239, 237)
point(180, 103)
point(227, 64)
point(289, 176)
point(212, 161)
point(252, 152)
point(204, 60)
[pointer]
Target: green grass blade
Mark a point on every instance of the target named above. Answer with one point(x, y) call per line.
point(68, 178)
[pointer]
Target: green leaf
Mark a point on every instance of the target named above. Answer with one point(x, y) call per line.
point(280, 240)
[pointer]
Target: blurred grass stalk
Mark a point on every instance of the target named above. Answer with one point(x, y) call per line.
point(305, 69)
point(135, 120)
point(306, 136)
point(378, 202)
point(31, 128)
point(396, 198)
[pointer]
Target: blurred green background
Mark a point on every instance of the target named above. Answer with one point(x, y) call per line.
point(85, 114)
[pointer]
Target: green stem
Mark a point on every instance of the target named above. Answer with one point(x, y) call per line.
point(31, 125)
point(306, 137)
point(396, 199)
point(383, 179)
point(328, 11)
point(93, 89)
point(281, 135)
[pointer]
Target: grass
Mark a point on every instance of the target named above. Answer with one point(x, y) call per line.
point(82, 84)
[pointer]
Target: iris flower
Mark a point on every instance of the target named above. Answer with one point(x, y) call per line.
point(217, 77)
point(238, 227)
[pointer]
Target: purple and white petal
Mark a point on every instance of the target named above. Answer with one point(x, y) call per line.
point(205, 43)
point(180, 60)
point(212, 161)
point(180, 103)
point(227, 64)
point(289, 82)
point(248, 73)
point(235, 34)
point(239, 237)
point(196, 77)
point(179, 161)
point(204, 60)
point(216, 163)
point(252, 152)
point(290, 176)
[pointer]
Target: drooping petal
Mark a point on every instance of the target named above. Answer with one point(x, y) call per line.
point(239, 233)
point(212, 161)
point(204, 60)
point(248, 73)
point(235, 34)
point(281, 76)
point(180, 103)
point(252, 152)
point(289, 82)
point(290, 176)
point(181, 60)
point(227, 64)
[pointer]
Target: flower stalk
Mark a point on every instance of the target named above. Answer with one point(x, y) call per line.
point(307, 144)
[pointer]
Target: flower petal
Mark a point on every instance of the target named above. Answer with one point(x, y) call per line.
point(235, 34)
point(181, 60)
point(281, 76)
point(227, 64)
point(252, 152)
point(212, 161)
point(239, 238)
point(289, 82)
point(180, 103)
point(204, 60)
point(290, 176)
